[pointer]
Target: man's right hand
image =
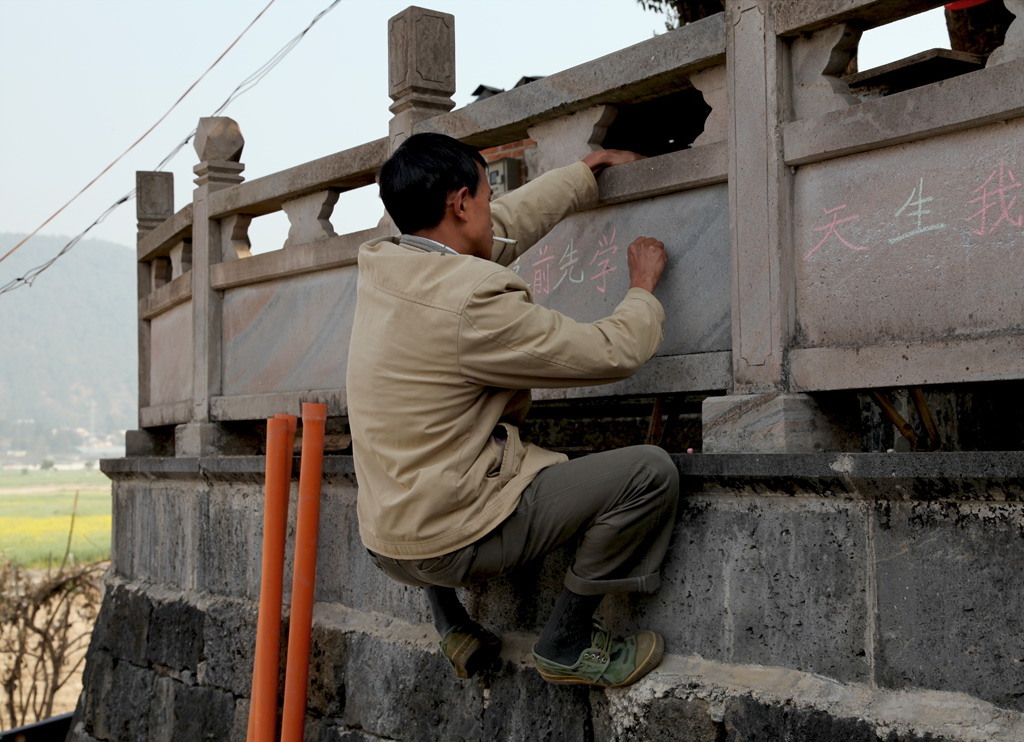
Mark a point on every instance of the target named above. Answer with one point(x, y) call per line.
point(647, 258)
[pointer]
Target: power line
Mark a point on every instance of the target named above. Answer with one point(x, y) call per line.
point(243, 87)
point(146, 134)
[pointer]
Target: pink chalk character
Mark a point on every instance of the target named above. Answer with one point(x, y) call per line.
point(986, 204)
point(565, 264)
point(604, 271)
point(542, 271)
point(836, 221)
point(919, 213)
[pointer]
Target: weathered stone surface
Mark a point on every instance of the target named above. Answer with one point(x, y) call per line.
point(950, 598)
point(229, 645)
point(817, 62)
point(218, 138)
point(171, 362)
point(580, 267)
point(230, 541)
point(774, 423)
point(264, 350)
point(310, 217)
point(667, 720)
point(566, 140)
point(923, 232)
point(122, 627)
point(181, 712)
point(747, 720)
point(761, 581)
point(175, 635)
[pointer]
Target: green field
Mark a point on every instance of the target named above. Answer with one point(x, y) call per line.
point(35, 515)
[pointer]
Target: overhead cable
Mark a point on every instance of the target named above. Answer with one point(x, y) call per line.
point(243, 87)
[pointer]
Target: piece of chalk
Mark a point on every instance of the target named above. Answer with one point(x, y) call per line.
point(689, 450)
point(505, 240)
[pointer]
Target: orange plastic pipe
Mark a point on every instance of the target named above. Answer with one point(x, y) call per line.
point(300, 626)
point(263, 704)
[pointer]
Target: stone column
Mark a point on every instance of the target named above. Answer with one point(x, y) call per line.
point(760, 415)
point(154, 203)
point(421, 68)
point(218, 143)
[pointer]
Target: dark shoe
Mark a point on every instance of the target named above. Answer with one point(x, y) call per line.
point(608, 663)
point(470, 649)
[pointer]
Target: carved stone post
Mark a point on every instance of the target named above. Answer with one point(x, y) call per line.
point(219, 145)
point(760, 415)
point(154, 203)
point(1013, 44)
point(421, 68)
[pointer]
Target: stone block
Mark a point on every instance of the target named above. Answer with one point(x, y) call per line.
point(218, 138)
point(126, 707)
point(229, 645)
point(208, 439)
point(229, 541)
point(175, 636)
point(950, 598)
point(667, 719)
point(97, 686)
point(345, 573)
point(189, 712)
point(746, 720)
point(523, 706)
point(761, 581)
point(775, 423)
point(122, 626)
point(326, 693)
point(146, 443)
point(417, 707)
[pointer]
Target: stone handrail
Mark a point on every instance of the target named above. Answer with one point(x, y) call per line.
point(782, 127)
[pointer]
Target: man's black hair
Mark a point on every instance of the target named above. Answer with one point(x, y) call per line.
point(417, 178)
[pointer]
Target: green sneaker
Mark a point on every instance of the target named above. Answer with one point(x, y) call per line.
point(470, 649)
point(608, 663)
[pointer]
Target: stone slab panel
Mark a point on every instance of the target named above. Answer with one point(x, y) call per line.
point(580, 268)
point(763, 581)
point(170, 366)
point(915, 241)
point(289, 335)
point(950, 598)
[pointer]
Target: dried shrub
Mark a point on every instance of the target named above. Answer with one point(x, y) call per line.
point(42, 644)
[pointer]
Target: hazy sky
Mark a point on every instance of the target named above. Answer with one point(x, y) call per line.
point(80, 80)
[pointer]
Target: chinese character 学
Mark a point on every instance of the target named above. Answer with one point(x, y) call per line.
point(604, 270)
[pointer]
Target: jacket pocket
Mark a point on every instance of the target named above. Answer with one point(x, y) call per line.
point(510, 457)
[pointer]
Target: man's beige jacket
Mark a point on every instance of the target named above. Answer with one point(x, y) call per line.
point(444, 350)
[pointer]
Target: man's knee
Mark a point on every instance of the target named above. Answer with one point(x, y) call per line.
point(663, 469)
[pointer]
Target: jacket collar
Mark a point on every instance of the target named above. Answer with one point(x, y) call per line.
point(425, 244)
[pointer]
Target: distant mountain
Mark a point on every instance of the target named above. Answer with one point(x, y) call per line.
point(68, 343)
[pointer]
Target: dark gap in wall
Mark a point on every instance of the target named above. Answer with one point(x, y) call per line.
point(656, 127)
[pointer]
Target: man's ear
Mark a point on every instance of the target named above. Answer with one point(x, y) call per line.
point(458, 201)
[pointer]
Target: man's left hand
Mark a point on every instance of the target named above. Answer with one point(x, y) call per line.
point(602, 158)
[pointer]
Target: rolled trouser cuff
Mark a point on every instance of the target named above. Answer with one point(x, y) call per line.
point(643, 584)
